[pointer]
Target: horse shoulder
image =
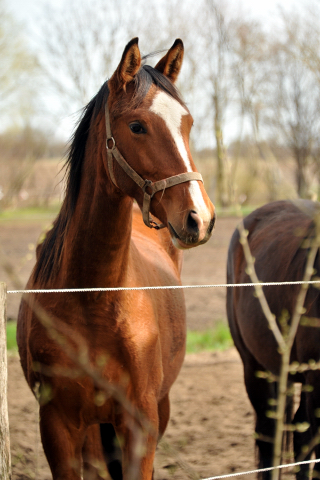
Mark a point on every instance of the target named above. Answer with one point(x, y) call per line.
point(158, 321)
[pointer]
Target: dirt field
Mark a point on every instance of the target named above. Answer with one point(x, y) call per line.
point(211, 425)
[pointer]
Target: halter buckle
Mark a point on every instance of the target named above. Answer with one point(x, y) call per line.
point(148, 184)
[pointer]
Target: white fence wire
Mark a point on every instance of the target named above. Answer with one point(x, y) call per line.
point(260, 470)
point(161, 287)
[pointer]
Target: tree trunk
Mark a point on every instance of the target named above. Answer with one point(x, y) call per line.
point(301, 177)
point(222, 195)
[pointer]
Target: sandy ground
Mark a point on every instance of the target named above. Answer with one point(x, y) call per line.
point(211, 426)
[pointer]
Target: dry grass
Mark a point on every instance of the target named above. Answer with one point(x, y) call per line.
point(28, 183)
point(251, 181)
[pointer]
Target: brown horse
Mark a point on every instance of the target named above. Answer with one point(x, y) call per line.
point(276, 238)
point(99, 239)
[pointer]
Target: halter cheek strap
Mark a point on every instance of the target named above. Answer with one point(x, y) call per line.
point(148, 187)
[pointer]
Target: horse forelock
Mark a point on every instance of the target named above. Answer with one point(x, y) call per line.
point(50, 251)
point(146, 77)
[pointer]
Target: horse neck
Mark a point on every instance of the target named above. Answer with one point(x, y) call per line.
point(98, 240)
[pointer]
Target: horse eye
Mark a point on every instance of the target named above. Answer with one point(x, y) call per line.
point(137, 128)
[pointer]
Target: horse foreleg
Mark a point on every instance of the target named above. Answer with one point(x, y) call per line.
point(139, 442)
point(164, 414)
point(94, 465)
point(260, 393)
point(62, 443)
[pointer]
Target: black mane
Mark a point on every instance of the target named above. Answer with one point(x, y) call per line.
point(50, 251)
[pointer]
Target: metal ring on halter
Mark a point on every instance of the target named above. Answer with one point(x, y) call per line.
point(148, 184)
point(113, 141)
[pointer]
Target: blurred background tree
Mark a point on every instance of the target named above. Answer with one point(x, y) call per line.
point(18, 73)
point(19, 85)
point(252, 88)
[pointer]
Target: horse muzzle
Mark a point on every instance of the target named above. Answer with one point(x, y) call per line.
point(195, 231)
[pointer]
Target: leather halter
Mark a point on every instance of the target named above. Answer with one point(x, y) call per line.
point(148, 187)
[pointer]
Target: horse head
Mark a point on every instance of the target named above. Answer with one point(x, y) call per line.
point(148, 127)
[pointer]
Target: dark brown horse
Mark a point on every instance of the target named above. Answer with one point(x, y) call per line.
point(276, 237)
point(131, 144)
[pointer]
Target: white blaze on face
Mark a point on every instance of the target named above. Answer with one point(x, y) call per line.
point(171, 111)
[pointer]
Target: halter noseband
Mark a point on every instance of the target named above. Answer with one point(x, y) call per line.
point(146, 185)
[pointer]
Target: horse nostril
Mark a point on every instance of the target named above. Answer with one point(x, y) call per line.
point(194, 222)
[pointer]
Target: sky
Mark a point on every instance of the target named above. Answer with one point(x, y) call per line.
point(263, 9)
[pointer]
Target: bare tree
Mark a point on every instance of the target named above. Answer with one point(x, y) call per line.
point(79, 43)
point(302, 30)
point(214, 35)
point(250, 71)
point(252, 76)
point(294, 109)
point(19, 70)
point(19, 99)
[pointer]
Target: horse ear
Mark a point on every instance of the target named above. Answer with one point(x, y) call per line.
point(170, 65)
point(128, 66)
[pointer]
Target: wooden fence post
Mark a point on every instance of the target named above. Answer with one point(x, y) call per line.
point(5, 457)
